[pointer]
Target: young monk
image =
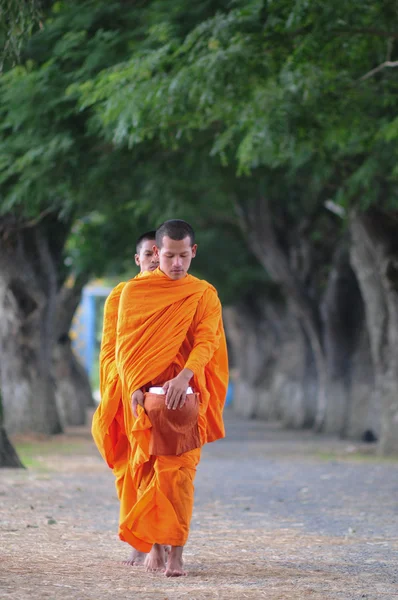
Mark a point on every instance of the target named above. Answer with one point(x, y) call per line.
point(169, 337)
point(111, 407)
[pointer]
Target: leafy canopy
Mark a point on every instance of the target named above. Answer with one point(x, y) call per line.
point(283, 85)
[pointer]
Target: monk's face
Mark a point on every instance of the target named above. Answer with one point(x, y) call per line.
point(147, 259)
point(175, 256)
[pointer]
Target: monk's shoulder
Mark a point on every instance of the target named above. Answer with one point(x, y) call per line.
point(210, 295)
point(117, 290)
point(133, 283)
point(203, 284)
point(115, 294)
point(210, 290)
point(211, 299)
point(133, 288)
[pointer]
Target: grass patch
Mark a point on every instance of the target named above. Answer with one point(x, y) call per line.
point(34, 453)
point(31, 462)
point(52, 446)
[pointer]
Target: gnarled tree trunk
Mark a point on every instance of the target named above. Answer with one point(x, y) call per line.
point(291, 265)
point(329, 330)
point(253, 357)
point(274, 363)
point(343, 318)
point(28, 288)
point(374, 257)
point(8, 455)
point(364, 412)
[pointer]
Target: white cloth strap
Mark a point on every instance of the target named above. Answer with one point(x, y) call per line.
point(160, 390)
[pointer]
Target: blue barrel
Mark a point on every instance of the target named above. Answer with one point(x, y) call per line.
point(230, 393)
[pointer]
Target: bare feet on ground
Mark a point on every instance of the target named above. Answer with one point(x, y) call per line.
point(136, 558)
point(156, 559)
point(175, 563)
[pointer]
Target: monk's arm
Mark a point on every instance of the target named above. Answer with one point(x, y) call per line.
point(205, 343)
point(108, 369)
point(206, 336)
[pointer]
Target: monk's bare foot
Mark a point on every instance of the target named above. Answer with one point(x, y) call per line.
point(156, 559)
point(175, 563)
point(137, 558)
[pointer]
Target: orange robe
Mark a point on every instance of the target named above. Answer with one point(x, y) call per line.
point(163, 326)
point(108, 428)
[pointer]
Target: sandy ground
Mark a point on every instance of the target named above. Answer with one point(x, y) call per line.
point(278, 515)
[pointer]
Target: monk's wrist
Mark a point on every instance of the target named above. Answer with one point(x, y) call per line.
point(186, 375)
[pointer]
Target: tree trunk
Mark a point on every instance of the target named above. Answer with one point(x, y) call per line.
point(270, 353)
point(253, 360)
point(8, 455)
point(27, 303)
point(364, 411)
point(343, 318)
point(292, 269)
point(73, 391)
point(374, 258)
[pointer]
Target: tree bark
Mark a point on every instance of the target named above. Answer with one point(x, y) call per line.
point(330, 325)
point(374, 258)
point(73, 390)
point(253, 359)
point(28, 287)
point(343, 318)
point(273, 361)
point(292, 268)
point(8, 456)
point(364, 410)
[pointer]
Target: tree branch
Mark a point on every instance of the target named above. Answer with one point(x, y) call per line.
point(36, 220)
point(10, 223)
point(383, 65)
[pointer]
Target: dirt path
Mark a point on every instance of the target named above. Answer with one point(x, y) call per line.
point(278, 515)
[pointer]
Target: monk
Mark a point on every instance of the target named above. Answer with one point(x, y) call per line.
point(110, 384)
point(170, 338)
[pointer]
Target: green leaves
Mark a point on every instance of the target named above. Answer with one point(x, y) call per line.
point(18, 20)
point(138, 111)
point(272, 84)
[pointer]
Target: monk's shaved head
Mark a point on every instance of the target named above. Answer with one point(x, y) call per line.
point(175, 248)
point(175, 229)
point(148, 236)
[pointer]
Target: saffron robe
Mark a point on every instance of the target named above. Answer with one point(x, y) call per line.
point(163, 326)
point(108, 428)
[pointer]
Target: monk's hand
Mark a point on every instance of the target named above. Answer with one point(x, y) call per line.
point(137, 398)
point(176, 389)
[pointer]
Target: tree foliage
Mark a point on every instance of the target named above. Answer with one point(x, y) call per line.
point(54, 158)
point(18, 20)
point(282, 85)
point(159, 105)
